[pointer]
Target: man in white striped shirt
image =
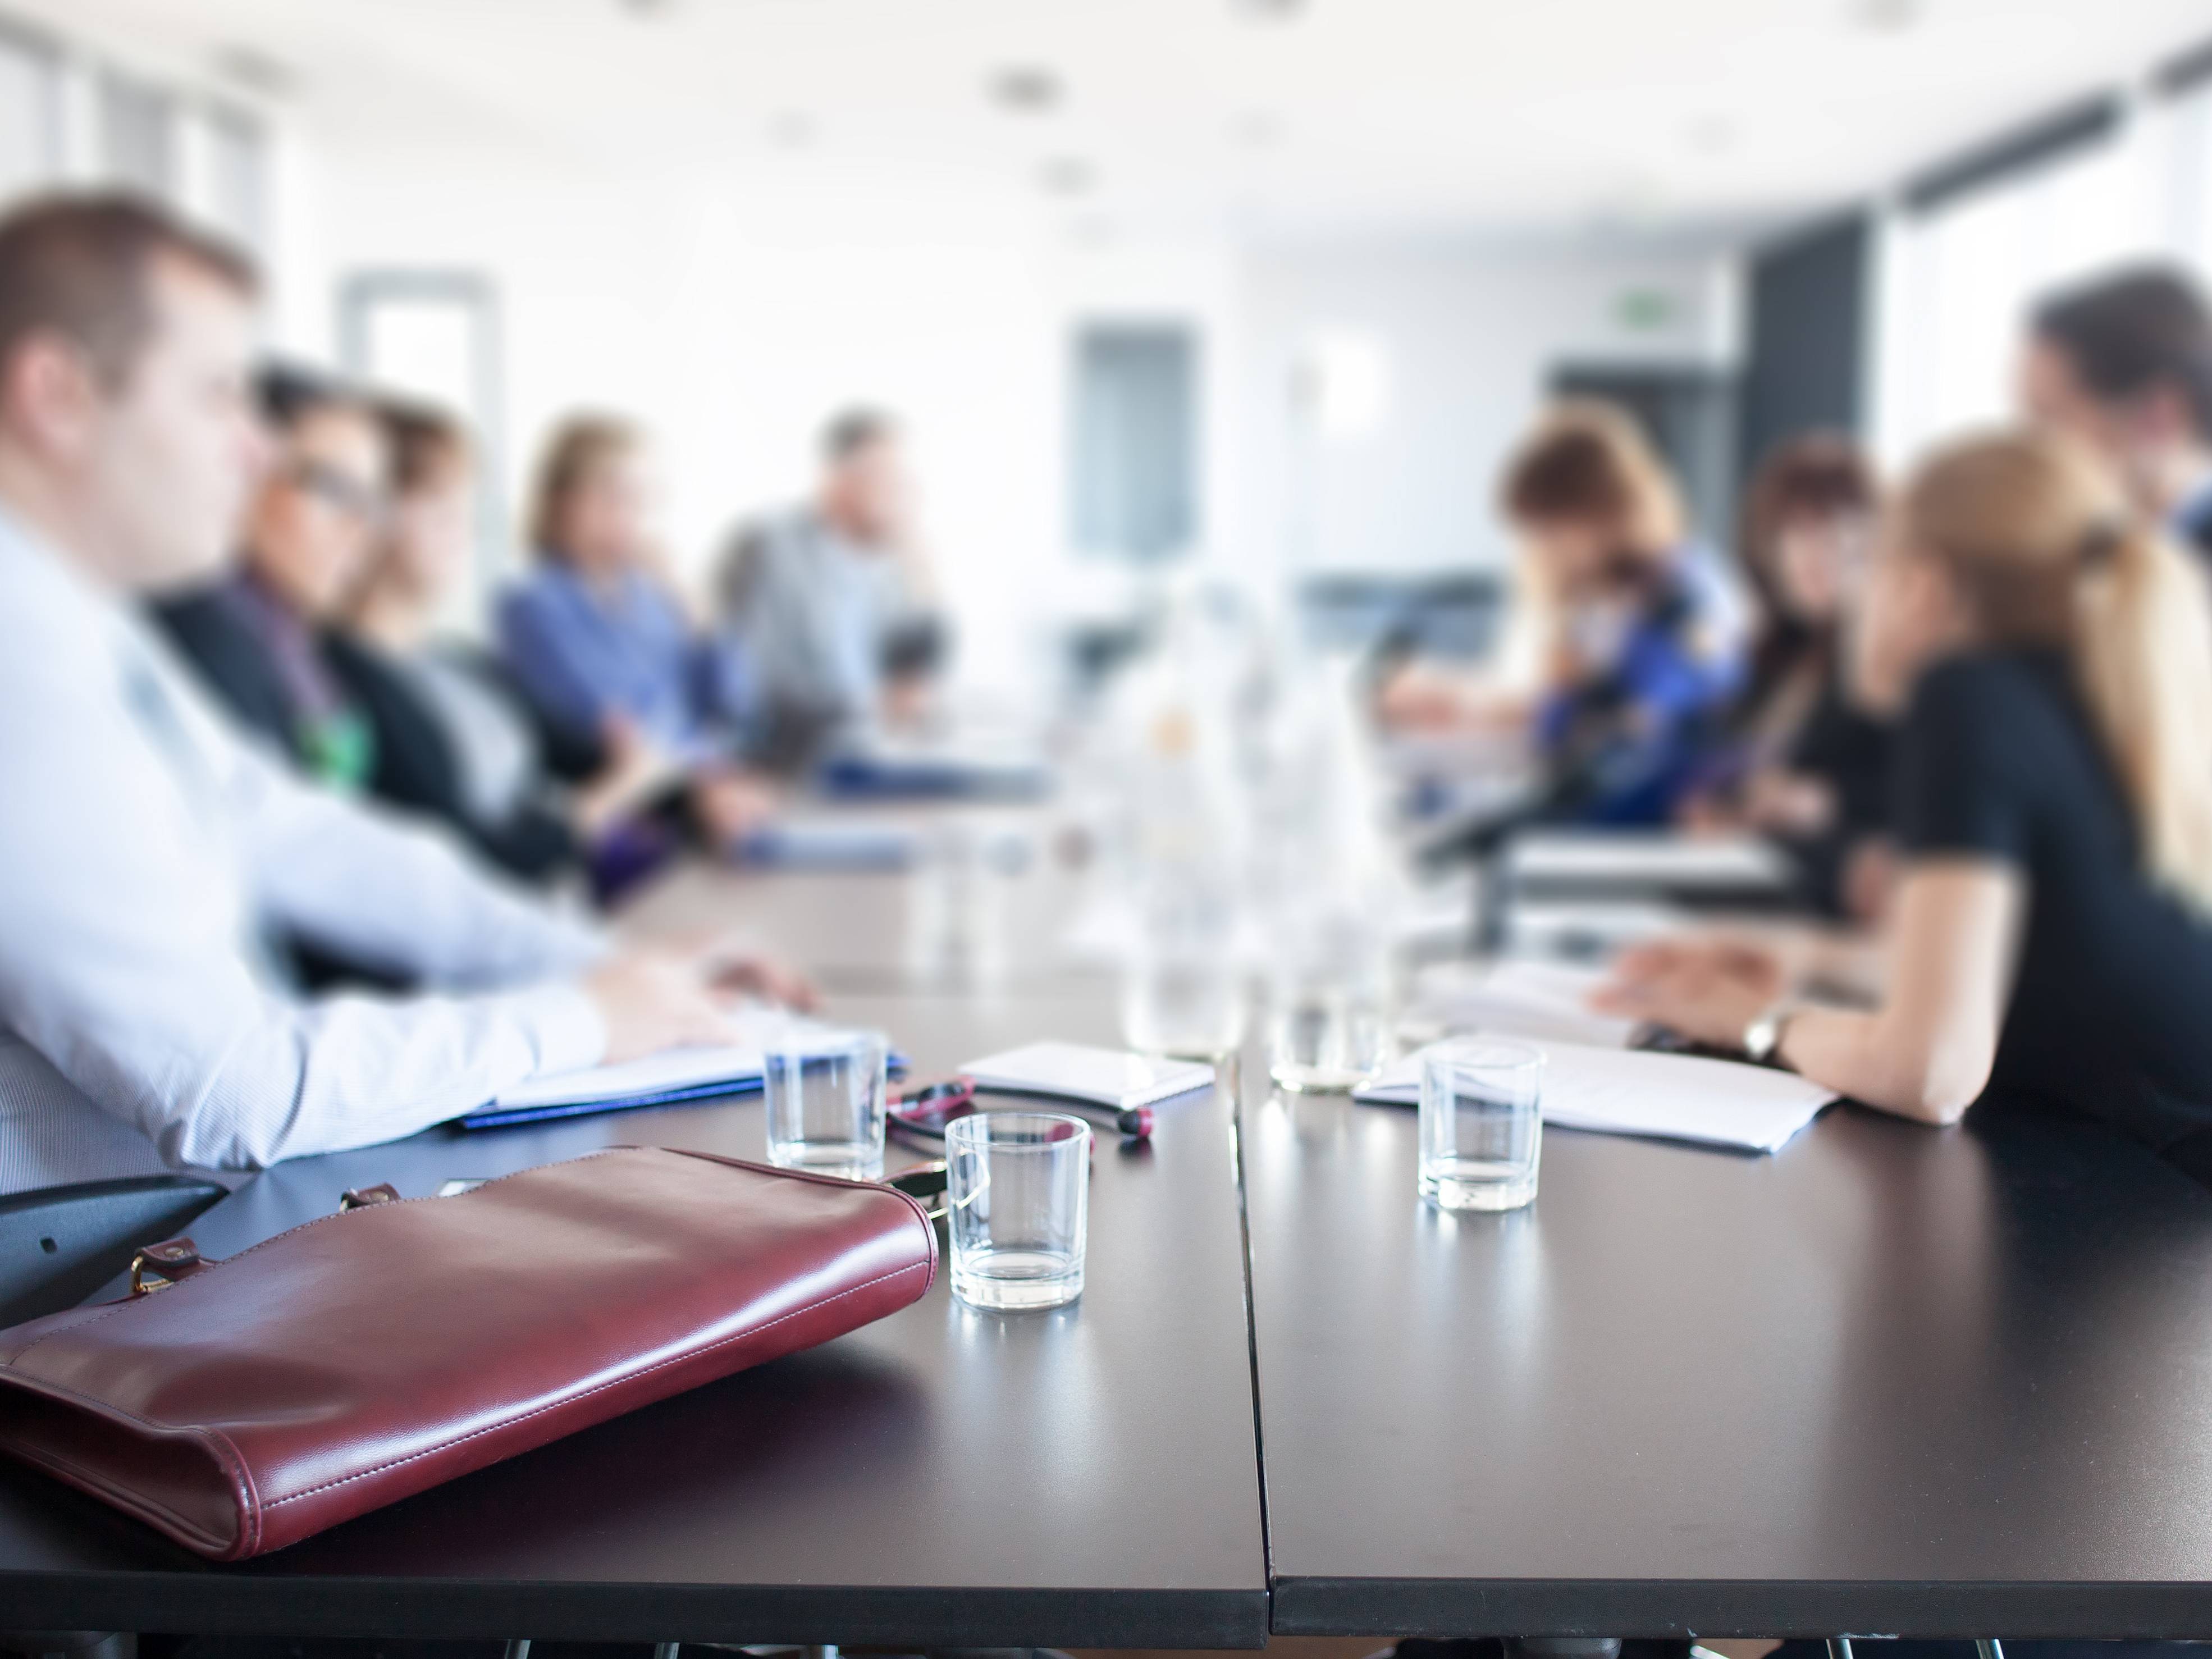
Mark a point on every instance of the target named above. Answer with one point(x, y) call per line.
point(147, 848)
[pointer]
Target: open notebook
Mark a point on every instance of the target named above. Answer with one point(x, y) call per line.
point(662, 1079)
point(1625, 1092)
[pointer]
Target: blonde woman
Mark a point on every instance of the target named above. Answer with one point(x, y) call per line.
point(2051, 936)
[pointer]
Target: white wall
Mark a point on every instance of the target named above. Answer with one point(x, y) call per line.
point(730, 318)
point(732, 322)
point(1466, 339)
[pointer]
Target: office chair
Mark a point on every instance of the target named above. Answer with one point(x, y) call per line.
point(59, 1244)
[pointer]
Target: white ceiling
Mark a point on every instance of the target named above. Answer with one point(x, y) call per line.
point(1343, 116)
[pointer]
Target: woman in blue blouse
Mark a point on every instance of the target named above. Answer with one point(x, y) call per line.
point(1632, 640)
point(598, 639)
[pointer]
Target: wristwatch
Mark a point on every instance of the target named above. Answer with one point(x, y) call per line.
point(1763, 1036)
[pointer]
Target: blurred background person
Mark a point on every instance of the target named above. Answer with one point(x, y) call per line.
point(1802, 761)
point(2052, 933)
point(1634, 638)
point(257, 638)
point(2124, 364)
point(600, 639)
point(146, 848)
point(832, 601)
point(453, 737)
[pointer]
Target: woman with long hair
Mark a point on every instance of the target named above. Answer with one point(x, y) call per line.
point(2051, 936)
point(454, 738)
point(1801, 761)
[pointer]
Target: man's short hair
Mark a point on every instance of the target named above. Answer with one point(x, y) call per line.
point(2133, 330)
point(854, 430)
point(287, 393)
point(81, 265)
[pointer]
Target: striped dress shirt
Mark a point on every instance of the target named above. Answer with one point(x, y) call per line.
point(146, 849)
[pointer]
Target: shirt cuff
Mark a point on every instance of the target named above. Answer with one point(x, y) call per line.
point(564, 1027)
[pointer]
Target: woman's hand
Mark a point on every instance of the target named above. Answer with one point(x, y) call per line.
point(1790, 803)
point(1709, 991)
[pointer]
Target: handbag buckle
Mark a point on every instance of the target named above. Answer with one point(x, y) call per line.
point(157, 1267)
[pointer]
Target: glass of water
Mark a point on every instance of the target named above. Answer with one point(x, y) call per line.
point(1326, 1033)
point(1017, 1187)
point(1482, 1124)
point(825, 1093)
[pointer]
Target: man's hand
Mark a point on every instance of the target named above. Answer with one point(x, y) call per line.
point(654, 999)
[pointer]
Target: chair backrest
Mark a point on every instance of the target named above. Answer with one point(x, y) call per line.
point(59, 1244)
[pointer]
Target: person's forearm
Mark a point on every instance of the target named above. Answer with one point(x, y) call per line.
point(1866, 1057)
point(353, 1071)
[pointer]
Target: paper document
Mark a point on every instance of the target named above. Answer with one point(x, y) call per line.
point(1658, 860)
point(1713, 1102)
point(1102, 1076)
point(659, 1080)
point(1548, 1000)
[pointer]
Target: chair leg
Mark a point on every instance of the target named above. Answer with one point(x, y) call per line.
point(666, 1649)
point(519, 1649)
point(1839, 1647)
point(1989, 1649)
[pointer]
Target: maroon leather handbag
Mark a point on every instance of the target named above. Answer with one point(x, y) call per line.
point(245, 1404)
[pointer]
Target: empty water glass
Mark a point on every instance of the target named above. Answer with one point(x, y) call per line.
point(1482, 1124)
point(1017, 1187)
point(1324, 1038)
point(826, 1096)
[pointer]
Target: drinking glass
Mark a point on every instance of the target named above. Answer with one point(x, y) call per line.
point(1328, 1033)
point(1482, 1124)
point(1018, 1186)
point(825, 1093)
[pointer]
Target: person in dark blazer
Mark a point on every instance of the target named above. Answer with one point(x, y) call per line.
point(2124, 364)
point(255, 638)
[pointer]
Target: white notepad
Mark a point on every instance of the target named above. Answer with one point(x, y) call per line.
point(1713, 1102)
point(1544, 1000)
point(667, 1075)
point(1657, 860)
point(1102, 1077)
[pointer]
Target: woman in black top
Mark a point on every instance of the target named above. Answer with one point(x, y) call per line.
point(2052, 935)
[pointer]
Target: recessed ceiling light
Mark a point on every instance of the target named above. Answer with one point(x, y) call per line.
point(1271, 11)
point(791, 129)
point(1026, 89)
point(648, 8)
point(1068, 175)
point(1257, 129)
point(1888, 17)
point(1710, 134)
point(254, 70)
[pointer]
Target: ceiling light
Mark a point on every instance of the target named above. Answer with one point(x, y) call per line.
point(1026, 89)
point(791, 129)
point(1257, 129)
point(1269, 11)
point(254, 70)
point(648, 8)
point(1067, 175)
point(1888, 17)
point(1712, 134)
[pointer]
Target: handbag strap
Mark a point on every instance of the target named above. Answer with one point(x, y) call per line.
point(157, 1267)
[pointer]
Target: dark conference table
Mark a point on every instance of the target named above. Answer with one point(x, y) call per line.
point(1887, 1380)
point(1080, 1477)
